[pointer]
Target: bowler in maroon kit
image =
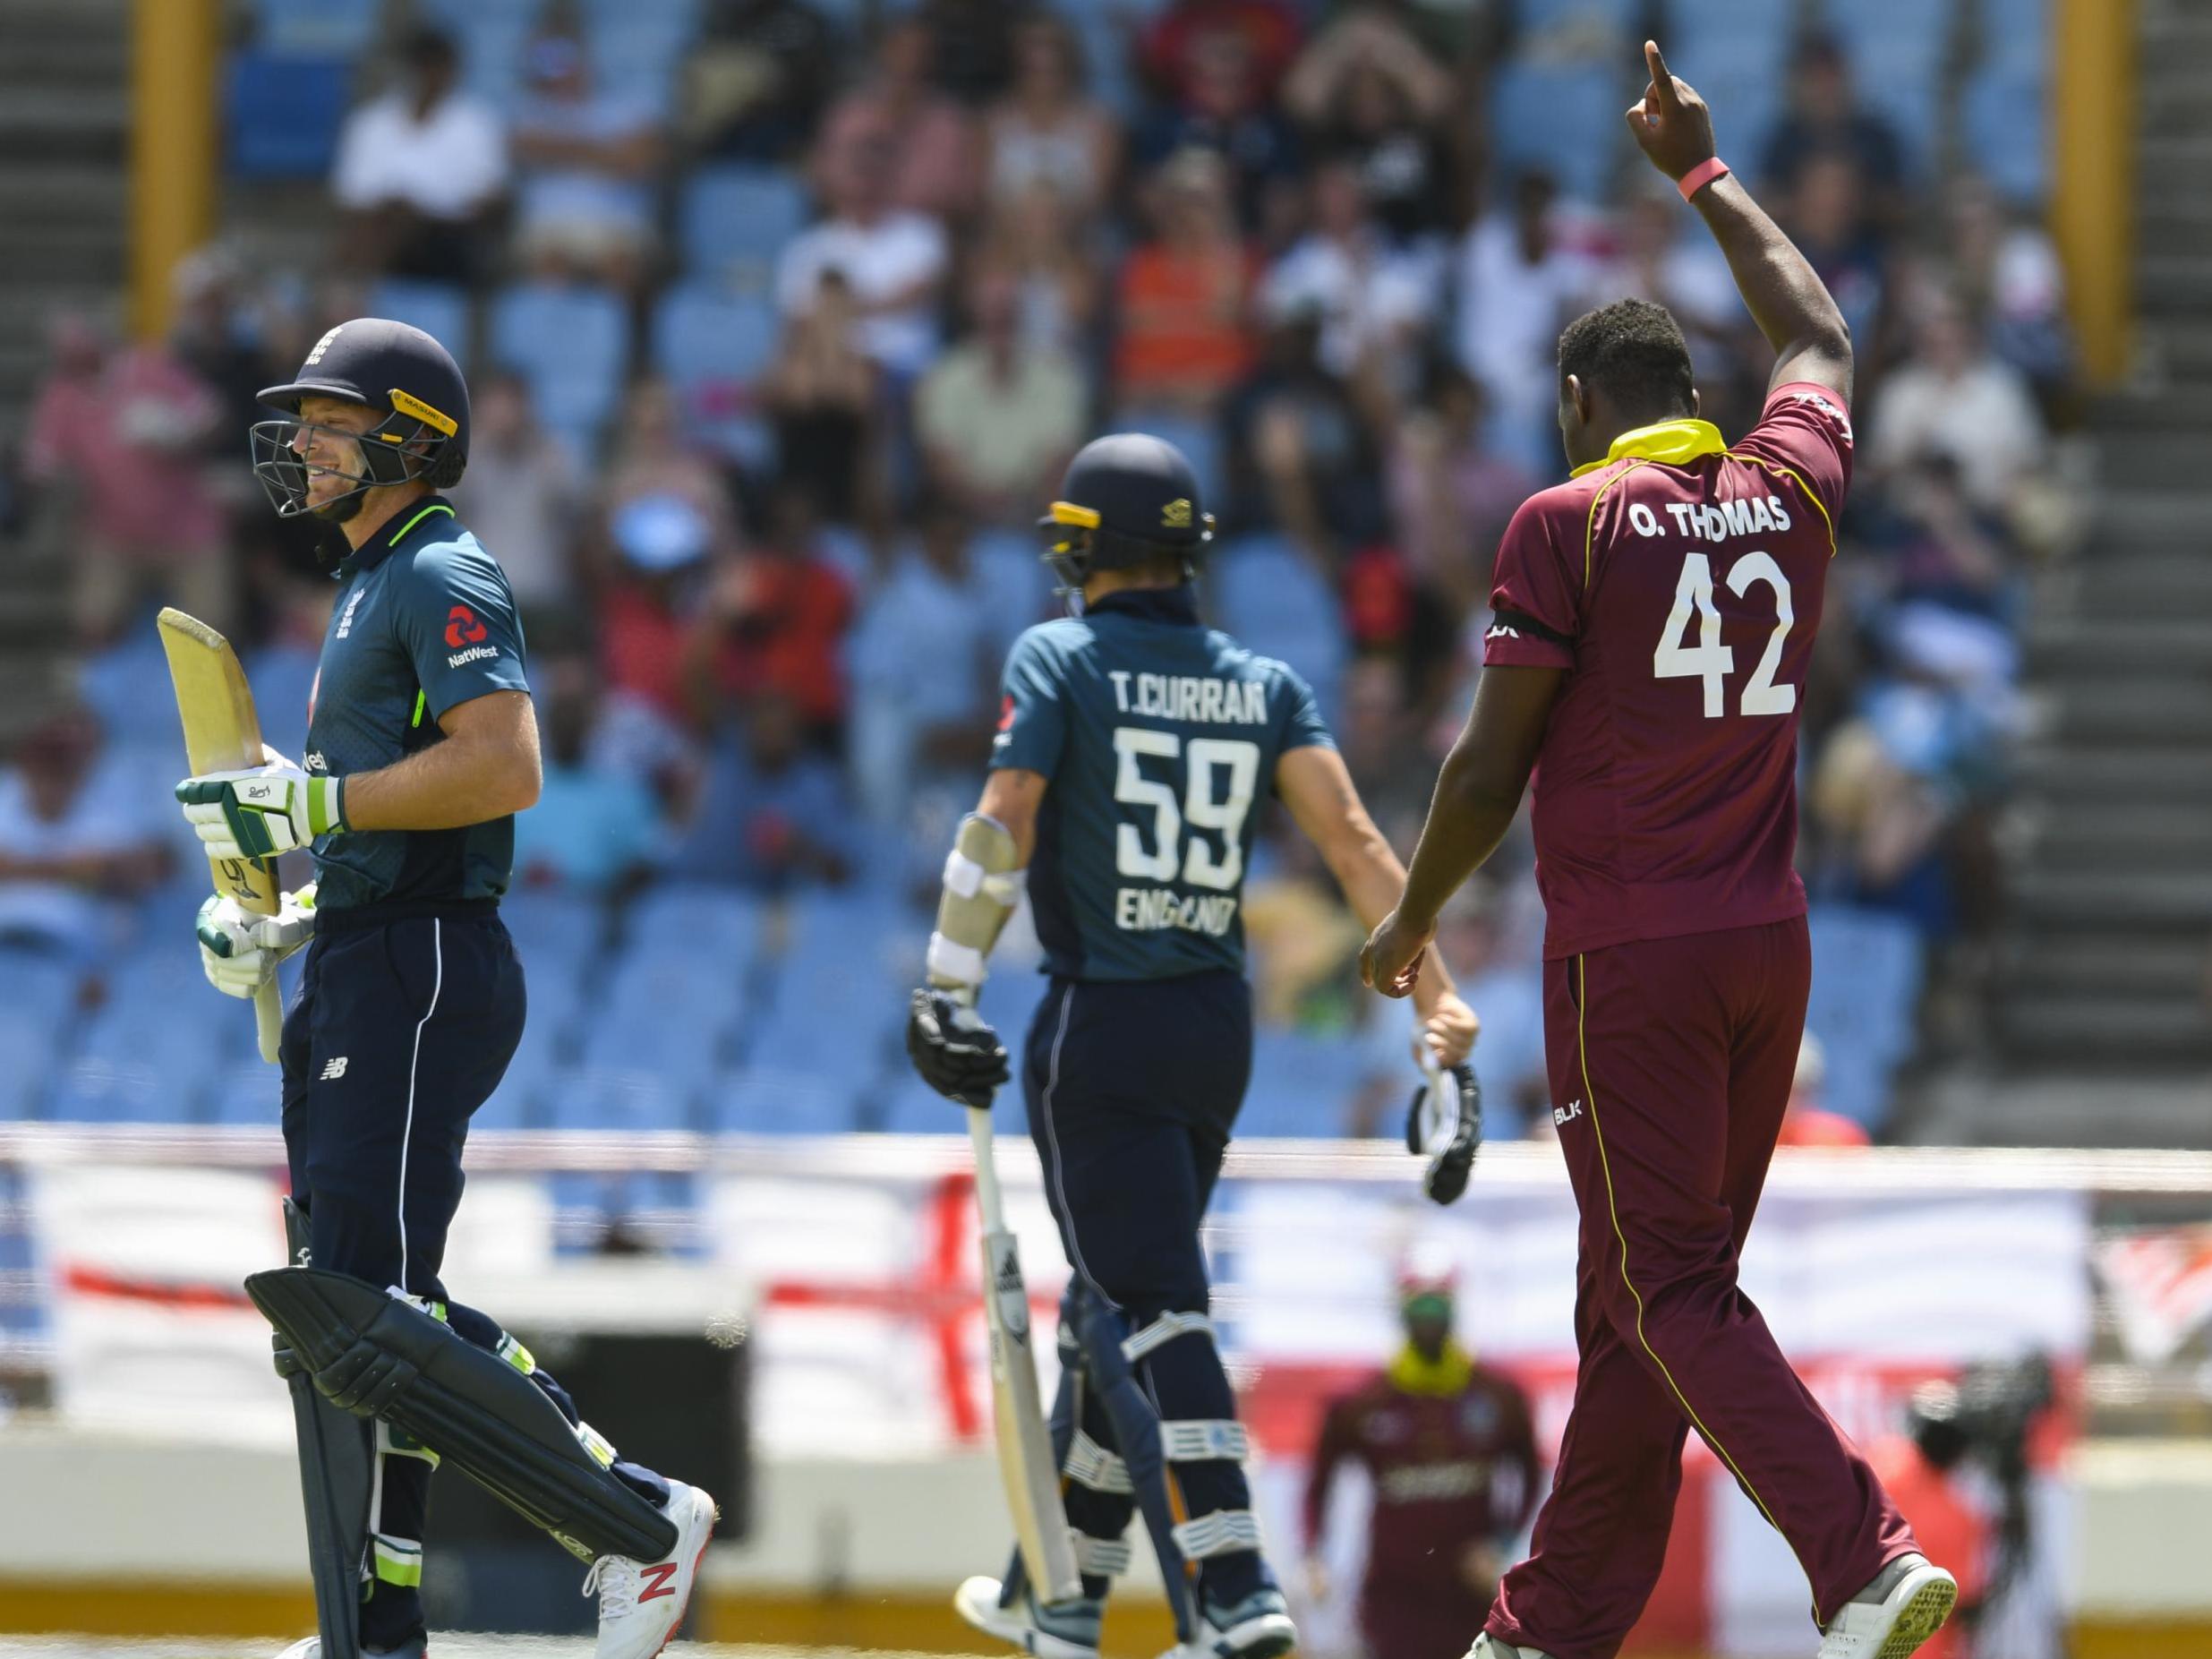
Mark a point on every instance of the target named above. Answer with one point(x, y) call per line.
point(1652, 622)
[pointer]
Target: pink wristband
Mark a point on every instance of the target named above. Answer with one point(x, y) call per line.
point(1700, 175)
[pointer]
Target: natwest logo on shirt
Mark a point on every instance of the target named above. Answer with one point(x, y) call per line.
point(464, 628)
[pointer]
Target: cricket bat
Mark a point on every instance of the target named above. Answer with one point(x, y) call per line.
point(222, 734)
point(1026, 1465)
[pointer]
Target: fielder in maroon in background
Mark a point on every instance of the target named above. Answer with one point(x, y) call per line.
point(1653, 619)
point(1450, 1450)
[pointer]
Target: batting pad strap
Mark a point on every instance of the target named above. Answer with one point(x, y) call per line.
point(964, 878)
point(962, 965)
point(1223, 1533)
point(1164, 1330)
point(1106, 1557)
point(1204, 1440)
point(1091, 1465)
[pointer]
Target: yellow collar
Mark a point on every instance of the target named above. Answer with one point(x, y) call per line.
point(1449, 1375)
point(1674, 442)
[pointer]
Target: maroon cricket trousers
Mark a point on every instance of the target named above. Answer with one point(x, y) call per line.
point(1671, 1063)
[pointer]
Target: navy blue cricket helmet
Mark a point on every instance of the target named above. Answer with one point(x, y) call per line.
point(397, 372)
point(1127, 498)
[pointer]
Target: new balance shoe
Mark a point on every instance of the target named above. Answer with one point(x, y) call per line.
point(1259, 1626)
point(1049, 1630)
point(1487, 1646)
point(641, 1603)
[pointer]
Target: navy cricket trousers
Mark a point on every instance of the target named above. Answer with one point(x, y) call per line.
point(401, 1029)
point(1133, 1087)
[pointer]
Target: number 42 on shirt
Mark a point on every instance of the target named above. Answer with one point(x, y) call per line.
point(1710, 661)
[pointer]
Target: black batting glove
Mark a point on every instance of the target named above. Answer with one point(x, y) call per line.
point(1447, 1128)
point(954, 1050)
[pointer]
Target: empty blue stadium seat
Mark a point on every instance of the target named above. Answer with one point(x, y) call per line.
point(282, 111)
point(721, 925)
point(767, 1099)
point(1544, 16)
point(551, 926)
point(1300, 1085)
point(37, 1002)
point(1199, 439)
point(572, 345)
point(440, 311)
point(1867, 977)
point(663, 1206)
point(244, 1093)
point(904, 1105)
point(328, 28)
point(634, 1098)
point(665, 1014)
point(1886, 37)
point(2005, 122)
point(1563, 119)
point(714, 346)
point(2016, 37)
point(735, 219)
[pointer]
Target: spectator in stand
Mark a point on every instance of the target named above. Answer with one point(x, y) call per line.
point(756, 79)
point(2009, 274)
point(1300, 461)
point(921, 150)
point(1368, 90)
point(1824, 116)
point(420, 172)
point(998, 418)
point(1451, 494)
point(1518, 285)
point(922, 668)
point(1826, 215)
point(1953, 397)
point(972, 45)
point(1179, 38)
point(1184, 297)
point(772, 622)
point(126, 431)
point(823, 395)
point(1877, 828)
point(893, 260)
point(1374, 298)
point(1222, 101)
point(1947, 552)
point(596, 828)
point(521, 495)
point(770, 813)
point(655, 456)
point(589, 162)
point(1654, 260)
point(1052, 253)
point(645, 601)
point(1047, 132)
point(80, 839)
point(1806, 1122)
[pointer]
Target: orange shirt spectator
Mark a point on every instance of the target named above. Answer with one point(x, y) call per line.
point(1185, 298)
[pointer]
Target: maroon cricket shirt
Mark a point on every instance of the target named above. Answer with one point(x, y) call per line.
point(1679, 581)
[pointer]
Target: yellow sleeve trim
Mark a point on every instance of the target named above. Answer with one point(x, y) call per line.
point(1590, 525)
point(1797, 478)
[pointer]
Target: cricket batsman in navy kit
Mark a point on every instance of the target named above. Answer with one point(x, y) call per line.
point(420, 747)
point(1134, 744)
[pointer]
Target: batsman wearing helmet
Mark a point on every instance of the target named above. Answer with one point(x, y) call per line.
point(420, 747)
point(1133, 745)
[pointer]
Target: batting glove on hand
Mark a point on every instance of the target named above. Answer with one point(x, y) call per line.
point(1445, 1123)
point(260, 812)
point(954, 1050)
point(239, 950)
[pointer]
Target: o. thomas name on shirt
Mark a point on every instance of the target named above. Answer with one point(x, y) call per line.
point(1150, 910)
point(1191, 697)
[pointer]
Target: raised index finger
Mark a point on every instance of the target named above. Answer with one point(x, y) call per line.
point(1661, 79)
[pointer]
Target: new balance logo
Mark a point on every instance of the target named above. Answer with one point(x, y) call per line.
point(1500, 631)
point(660, 1579)
point(334, 1069)
point(1562, 1115)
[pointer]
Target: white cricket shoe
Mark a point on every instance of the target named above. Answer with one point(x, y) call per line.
point(312, 1648)
point(1259, 1626)
point(1907, 1603)
point(1487, 1646)
point(1064, 1630)
point(641, 1605)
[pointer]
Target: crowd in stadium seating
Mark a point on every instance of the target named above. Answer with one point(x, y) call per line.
point(782, 316)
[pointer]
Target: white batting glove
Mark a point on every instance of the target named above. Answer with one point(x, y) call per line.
point(261, 812)
point(239, 950)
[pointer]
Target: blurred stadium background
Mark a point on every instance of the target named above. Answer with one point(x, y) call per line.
point(781, 316)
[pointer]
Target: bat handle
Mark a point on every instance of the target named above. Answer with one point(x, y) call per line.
point(987, 1204)
point(269, 1020)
